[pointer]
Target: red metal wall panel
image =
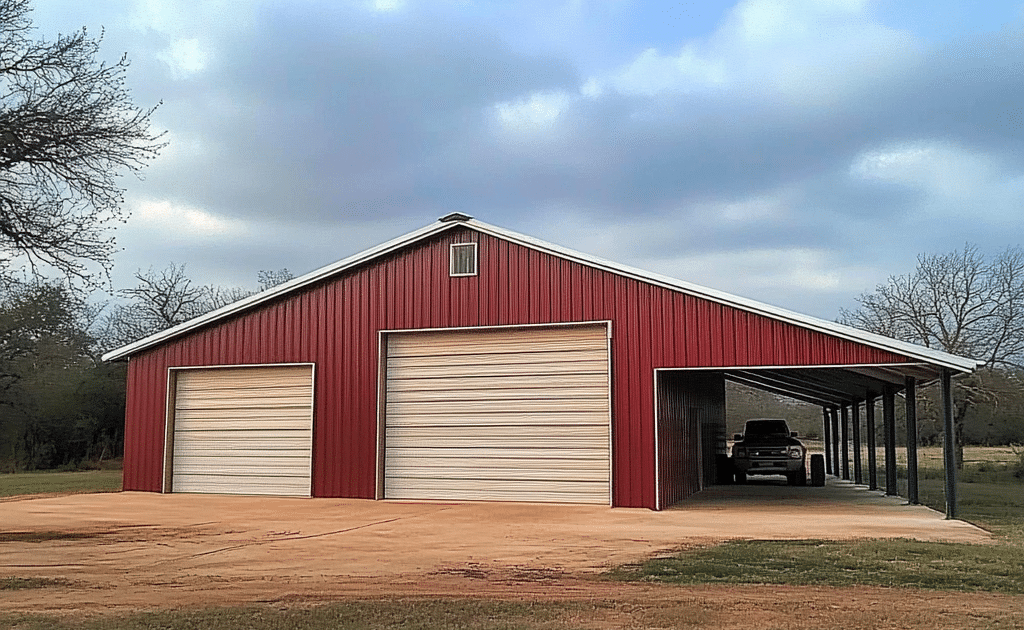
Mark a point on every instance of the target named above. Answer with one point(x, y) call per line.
point(335, 325)
point(687, 400)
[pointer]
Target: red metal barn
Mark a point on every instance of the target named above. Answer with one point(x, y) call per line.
point(463, 361)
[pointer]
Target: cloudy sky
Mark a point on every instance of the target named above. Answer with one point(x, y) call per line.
point(796, 152)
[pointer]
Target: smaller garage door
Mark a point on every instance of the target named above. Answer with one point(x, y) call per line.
point(243, 430)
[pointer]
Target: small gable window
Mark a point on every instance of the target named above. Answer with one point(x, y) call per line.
point(463, 260)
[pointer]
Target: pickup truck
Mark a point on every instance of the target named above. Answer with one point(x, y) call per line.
point(768, 447)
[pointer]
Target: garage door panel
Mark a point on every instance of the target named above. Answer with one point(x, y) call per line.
point(229, 484)
point(241, 449)
point(500, 460)
point(524, 405)
point(515, 415)
point(219, 466)
point(484, 490)
point(516, 356)
point(488, 418)
point(470, 441)
point(290, 416)
point(481, 381)
point(451, 477)
point(466, 342)
point(243, 431)
point(490, 390)
point(253, 403)
point(501, 435)
point(482, 455)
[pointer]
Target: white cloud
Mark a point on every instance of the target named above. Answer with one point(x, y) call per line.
point(185, 57)
point(538, 112)
point(652, 73)
point(753, 272)
point(768, 207)
point(184, 223)
point(809, 53)
point(951, 180)
point(387, 6)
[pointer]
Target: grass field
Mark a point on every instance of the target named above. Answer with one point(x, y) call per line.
point(363, 615)
point(12, 484)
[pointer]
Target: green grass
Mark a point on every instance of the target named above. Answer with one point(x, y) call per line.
point(990, 495)
point(17, 583)
point(902, 563)
point(364, 615)
point(13, 484)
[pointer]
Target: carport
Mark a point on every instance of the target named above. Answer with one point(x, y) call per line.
point(848, 396)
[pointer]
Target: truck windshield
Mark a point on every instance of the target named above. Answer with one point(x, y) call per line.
point(767, 427)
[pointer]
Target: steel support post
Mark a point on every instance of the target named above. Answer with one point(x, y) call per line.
point(836, 470)
point(889, 425)
point(844, 413)
point(826, 424)
point(949, 443)
point(911, 403)
point(858, 475)
point(869, 417)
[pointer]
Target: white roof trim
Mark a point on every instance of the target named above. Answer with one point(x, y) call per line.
point(929, 355)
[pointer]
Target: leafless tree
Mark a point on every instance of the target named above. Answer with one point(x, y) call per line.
point(963, 303)
point(160, 300)
point(270, 279)
point(168, 297)
point(68, 128)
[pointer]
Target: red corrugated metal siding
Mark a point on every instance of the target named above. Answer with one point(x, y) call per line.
point(686, 399)
point(335, 325)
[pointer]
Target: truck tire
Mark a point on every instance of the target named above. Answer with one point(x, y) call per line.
point(818, 470)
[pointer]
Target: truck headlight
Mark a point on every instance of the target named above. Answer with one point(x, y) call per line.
point(739, 452)
point(795, 452)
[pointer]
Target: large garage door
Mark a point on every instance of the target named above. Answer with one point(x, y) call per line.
point(507, 414)
point(243, 430)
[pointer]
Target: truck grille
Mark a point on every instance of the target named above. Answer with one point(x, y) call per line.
point(767, 452)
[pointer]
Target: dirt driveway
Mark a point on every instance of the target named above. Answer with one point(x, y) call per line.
point(140, 550)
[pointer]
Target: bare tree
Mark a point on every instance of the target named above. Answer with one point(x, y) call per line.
point(168, 297)
point(222, 296)
point(962, 303)
point(67, 129)
point(160, 300)
point(270, 279)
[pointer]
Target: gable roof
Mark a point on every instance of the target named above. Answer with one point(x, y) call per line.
point(456, 220)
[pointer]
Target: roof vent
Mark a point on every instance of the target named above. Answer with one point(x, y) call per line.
point(454, 216)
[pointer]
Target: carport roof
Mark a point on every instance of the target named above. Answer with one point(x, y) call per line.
point(925, 362)
point(832, 386)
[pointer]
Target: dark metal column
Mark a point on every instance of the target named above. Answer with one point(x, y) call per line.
point(858, 475)
point(844, 421)
point(889, 425)
point(911, 403)
point(949, 444)
point(835, 441)
point(869, 417)
point(826, 423)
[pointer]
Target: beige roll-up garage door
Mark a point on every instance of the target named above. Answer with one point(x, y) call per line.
point(243, 430)
point(501, 414)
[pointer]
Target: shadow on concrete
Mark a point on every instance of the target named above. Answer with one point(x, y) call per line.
point(774, 491)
